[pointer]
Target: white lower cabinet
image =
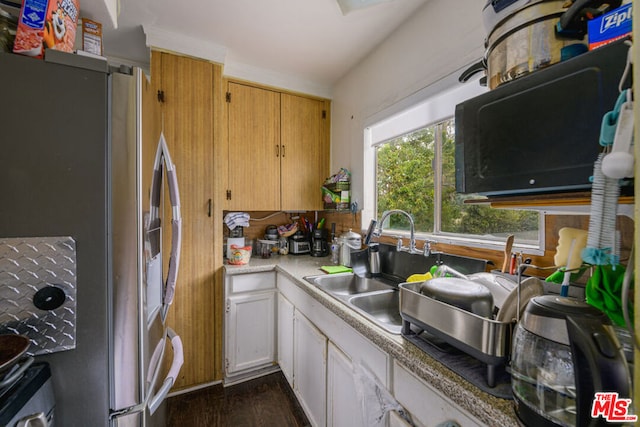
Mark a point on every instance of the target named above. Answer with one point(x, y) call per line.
point(343, 404)
point(325, 349)
point(425, 404)
point(310, 369)
point(251, 331)
point(285, 337)
point(317, 352)
point(396, 420)
point(250, 324)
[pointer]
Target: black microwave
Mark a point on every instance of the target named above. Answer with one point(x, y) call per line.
point(541, 132)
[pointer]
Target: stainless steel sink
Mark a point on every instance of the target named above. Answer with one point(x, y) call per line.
point(349, 284)
point(374, 298)
point(377, 299)
point(384, 307)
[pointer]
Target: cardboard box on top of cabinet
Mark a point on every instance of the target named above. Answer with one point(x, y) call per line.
point(46, 24)
point(610, 27)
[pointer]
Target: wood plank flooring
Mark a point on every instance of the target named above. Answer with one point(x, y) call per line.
point(263, 402)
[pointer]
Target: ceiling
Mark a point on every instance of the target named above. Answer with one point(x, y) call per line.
point(303, 40)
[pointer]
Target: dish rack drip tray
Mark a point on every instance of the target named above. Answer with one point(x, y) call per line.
point(468, 367)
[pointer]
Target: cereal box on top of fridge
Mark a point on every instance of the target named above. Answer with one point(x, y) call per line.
point(46, 24)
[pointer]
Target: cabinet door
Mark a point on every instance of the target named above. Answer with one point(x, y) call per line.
point(426, 406)
point(187, 122)
point(285, 337)
point(250, 331)
point(343, 404)
point(395, 420)
point(310, 369)
point(254, 148)
point(305, 152)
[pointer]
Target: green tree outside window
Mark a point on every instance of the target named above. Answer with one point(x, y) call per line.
point(406, 179)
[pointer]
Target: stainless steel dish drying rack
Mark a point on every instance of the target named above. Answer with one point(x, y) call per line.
point(486, 340)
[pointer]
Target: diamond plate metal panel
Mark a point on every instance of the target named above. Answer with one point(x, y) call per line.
point(38, 291)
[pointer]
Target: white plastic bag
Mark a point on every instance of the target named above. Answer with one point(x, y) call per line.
point(375, 400)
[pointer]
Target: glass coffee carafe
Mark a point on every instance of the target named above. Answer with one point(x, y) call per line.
point(564, 351)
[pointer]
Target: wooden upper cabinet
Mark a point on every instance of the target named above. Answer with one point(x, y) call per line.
point(278, 149)
point(305, 152)
point(254, 148)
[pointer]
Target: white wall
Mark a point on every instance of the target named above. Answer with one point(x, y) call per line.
point(441, 38)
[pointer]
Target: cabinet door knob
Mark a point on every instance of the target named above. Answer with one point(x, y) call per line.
point(277, 150)
point(209, 205)
point(282, 150)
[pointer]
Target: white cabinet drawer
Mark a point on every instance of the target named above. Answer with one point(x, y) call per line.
point(250, 282)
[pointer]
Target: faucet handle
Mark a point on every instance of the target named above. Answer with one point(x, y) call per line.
point(426, 249)
point(399, 244)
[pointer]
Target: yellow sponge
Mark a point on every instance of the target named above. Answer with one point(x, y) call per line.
point(571, 242)
point(419, 277)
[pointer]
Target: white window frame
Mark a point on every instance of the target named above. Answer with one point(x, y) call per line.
point(428, 107)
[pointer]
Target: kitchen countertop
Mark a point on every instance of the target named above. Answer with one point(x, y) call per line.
point(485, 407)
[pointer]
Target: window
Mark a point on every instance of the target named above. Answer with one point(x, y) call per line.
point(413, 169)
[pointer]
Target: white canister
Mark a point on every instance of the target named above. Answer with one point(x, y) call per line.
point(238, 241)
point(352, 239)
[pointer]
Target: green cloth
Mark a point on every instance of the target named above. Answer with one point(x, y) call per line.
point(604, 291)
point(558, 275)
point(332, 269)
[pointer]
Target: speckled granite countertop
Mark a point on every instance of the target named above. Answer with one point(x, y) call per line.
point(486, 408)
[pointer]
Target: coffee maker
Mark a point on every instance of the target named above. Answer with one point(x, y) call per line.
point(319, 243)
point(564, 352)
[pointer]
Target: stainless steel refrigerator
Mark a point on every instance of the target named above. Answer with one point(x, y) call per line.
point(83, 196)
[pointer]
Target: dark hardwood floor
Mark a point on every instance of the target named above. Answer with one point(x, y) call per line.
point(266, 401)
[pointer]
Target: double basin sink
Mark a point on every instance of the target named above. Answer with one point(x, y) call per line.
point(378, 298)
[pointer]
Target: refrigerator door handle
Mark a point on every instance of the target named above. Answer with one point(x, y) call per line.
point(154, 363)
point(35, 420)
point(176, 365)
point(162, 154)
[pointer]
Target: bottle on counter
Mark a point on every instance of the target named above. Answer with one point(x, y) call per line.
point(374, 260)
point(283, 244)
point(335, 251)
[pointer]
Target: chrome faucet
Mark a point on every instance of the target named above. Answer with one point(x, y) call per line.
point(426, 249)
point(375, 229)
